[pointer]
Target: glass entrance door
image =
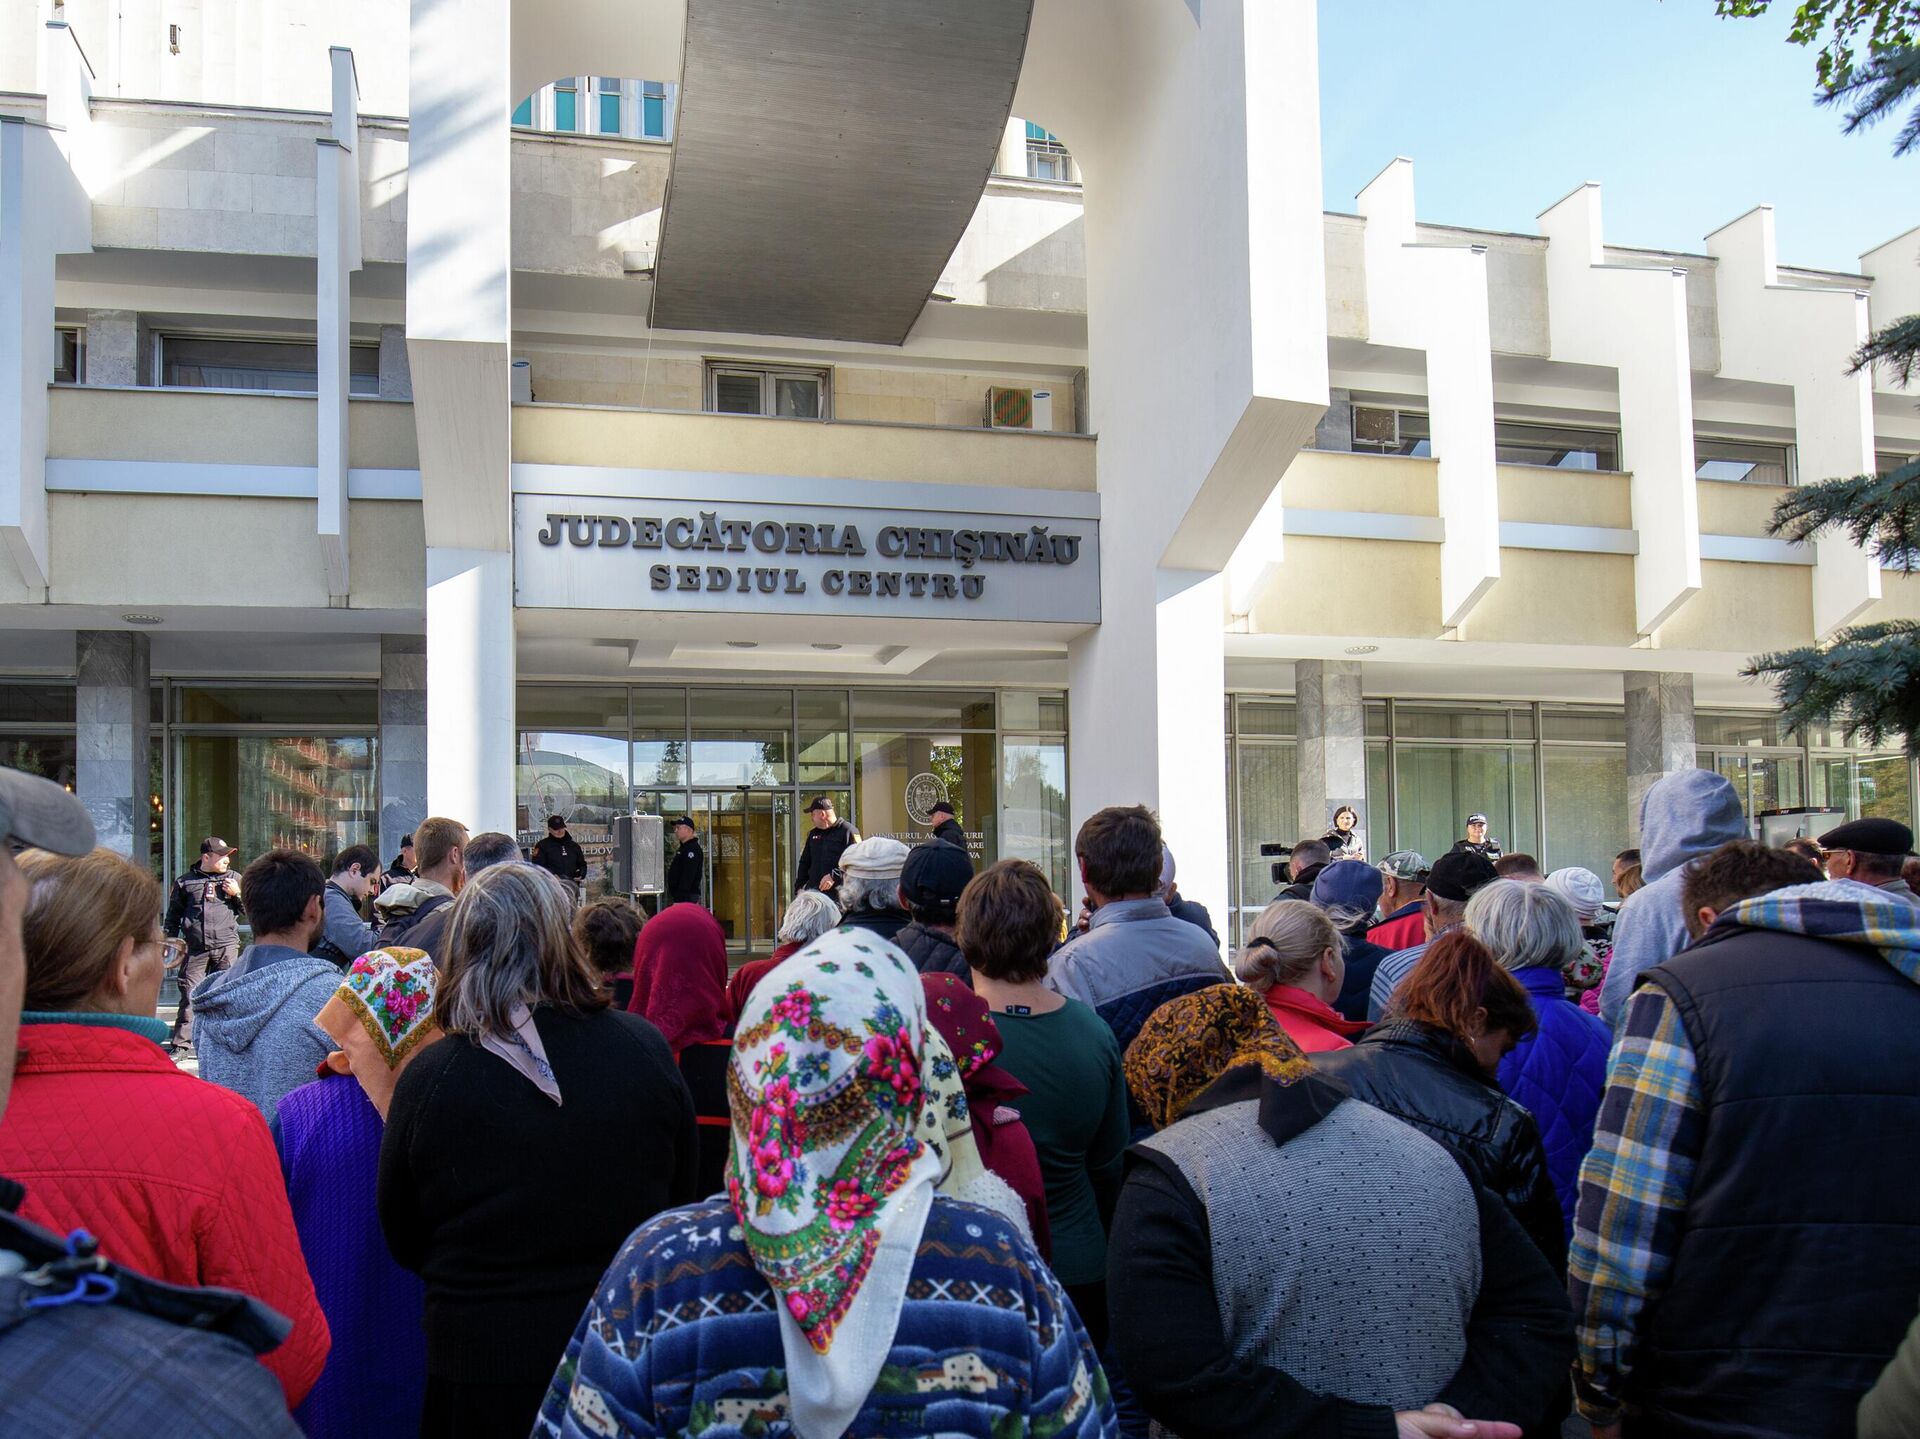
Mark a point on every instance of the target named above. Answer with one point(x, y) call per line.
point(748, 835)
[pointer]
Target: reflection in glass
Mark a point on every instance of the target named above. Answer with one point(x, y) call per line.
point(923, 709)
point(261, 792)
point(1865, 786)
point(1587, 810)
point(898, 777)
point(1034, 807)
point(1269, 809)
point(823, 756)
point(1440, 785)
point(581, 778)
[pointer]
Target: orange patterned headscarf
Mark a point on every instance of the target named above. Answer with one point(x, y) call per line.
point(1188, 1043)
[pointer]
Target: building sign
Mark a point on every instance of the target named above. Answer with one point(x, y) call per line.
point(720, 555)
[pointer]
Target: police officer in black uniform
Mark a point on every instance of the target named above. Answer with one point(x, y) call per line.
point(687, 868)
point(945, 826)
point(203, 907)
point(1476, 841)
point(559, 854)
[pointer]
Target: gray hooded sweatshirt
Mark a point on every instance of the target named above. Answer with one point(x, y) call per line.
point(253, 1024)
point(1689, 813)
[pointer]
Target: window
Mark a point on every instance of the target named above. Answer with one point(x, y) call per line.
point(566, 105)
point(786, 392)
point(523, 113)
point(1885, 462)
point(1382, 431)
point(606, 92)
point(1740, 462)
point(653, 109)
point(1047, 158)
point(290, 366)
point(69, 355)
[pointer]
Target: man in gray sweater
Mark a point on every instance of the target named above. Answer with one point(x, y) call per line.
point(344, 935)
point(254, 1023)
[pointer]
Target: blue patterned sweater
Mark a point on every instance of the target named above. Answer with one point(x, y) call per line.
point(682, 1338)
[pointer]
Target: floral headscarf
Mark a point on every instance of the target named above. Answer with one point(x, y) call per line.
point(381, 1016)
point(1189, 1042)
point(680, 976)
point(966, 1023)
point(832, 1174)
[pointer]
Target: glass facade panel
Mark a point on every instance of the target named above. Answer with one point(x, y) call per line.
point(574, 707)
point(1754, 728)
point(824, 754)
point(1879, 786)
point(1024, 711)
point(1609, 726)
point(923, 709)
point(741, 736)
point(48, 756)
point(897, 777)
point(1438, 786)
point(1263, 717)
point(1587, 812)
point(565, 108)
point(1378, 818)
point(583, 779)
point(261, 792)
point(1462, 722)
point(1763, 781)
point(1376, 718)
point(274, 705)
point(23, 703)
point(1267, 801)
point(1033, 805)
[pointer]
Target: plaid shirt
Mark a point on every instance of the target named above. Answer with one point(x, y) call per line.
point(1633, 1196)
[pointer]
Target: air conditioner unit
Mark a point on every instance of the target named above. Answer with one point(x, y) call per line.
point(520, 386)
point(1009, 409)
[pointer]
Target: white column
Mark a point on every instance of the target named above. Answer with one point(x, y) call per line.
point(337, 246)
point(470, 687)
point(44, 212)
point(1011, 158)
point(1433, 298)
point(1791, 335)
point(1197, 128)
point(459, 308)
point(1634, 320)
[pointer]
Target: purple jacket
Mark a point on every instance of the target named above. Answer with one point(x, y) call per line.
point(376, 1376)
point(1559, 1073)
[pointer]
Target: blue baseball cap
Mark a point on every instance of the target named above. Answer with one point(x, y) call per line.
point(1348, 884)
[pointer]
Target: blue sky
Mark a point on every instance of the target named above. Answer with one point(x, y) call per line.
point(1687, 121)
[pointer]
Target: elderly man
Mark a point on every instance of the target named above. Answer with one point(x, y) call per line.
point(1402, 895)
point(1871, 851)
point(1457, 876)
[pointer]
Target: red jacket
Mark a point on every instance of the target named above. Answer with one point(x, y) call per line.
point(175, 1177)
point(1403, 932)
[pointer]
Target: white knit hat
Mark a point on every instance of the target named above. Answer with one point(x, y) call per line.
point(1580, 888)
point(874, 858)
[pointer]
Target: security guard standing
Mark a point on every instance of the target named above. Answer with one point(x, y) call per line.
point(203, 907)
point(688, 867)
point(1477, 841)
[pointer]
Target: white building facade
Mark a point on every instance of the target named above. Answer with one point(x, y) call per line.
point(409, 419)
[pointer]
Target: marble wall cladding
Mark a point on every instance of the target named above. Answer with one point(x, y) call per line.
point(1660, 738)
point(112, 707)
point(1335, 430)
point(116, 341)
point(403, 738)
point(1330, 724)
point(396, 375)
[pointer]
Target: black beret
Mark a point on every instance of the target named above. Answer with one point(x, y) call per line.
point(942, 806)
point(1457, 874)
point(1870, 836)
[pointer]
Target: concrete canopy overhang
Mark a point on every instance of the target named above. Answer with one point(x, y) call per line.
point(827, 158)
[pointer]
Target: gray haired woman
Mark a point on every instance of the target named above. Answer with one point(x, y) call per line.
point(1560, 1070)
point(1295, 957)
point(870, 893)
point(521, 1150)
point(811, 915)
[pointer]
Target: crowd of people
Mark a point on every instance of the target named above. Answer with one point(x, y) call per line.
point(1441, 1149)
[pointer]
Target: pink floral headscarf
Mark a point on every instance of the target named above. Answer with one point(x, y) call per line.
point(381, 1016)
point(833, 1173)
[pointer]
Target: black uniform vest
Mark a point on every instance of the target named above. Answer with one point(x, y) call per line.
point(1798, 1263)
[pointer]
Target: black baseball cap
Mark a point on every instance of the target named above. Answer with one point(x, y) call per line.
point(1458, 873)
point(214, 845)
point(555, 822)
point(934, 874)
point(821, 803)
point(685, 819)
point(43, 815)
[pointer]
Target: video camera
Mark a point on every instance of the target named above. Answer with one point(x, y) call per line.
point(1282, 869)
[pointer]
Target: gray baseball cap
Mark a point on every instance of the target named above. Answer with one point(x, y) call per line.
point(41, 815)
point(1405, 864)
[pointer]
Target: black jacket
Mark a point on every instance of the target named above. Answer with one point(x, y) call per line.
point(820, 854)
point(1167, 1319)
point(949, 829)
point(933, 951)
point(1301, 886)
point(510, 1206)
point(1796, 1264)
point(1430, 1079)
point(1195, 914)
point(887, 923)
point(685, 872)
point(1488, 847)
point(1362, 957)
point(200, 911)
point(421, 928)
point(561, 855)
